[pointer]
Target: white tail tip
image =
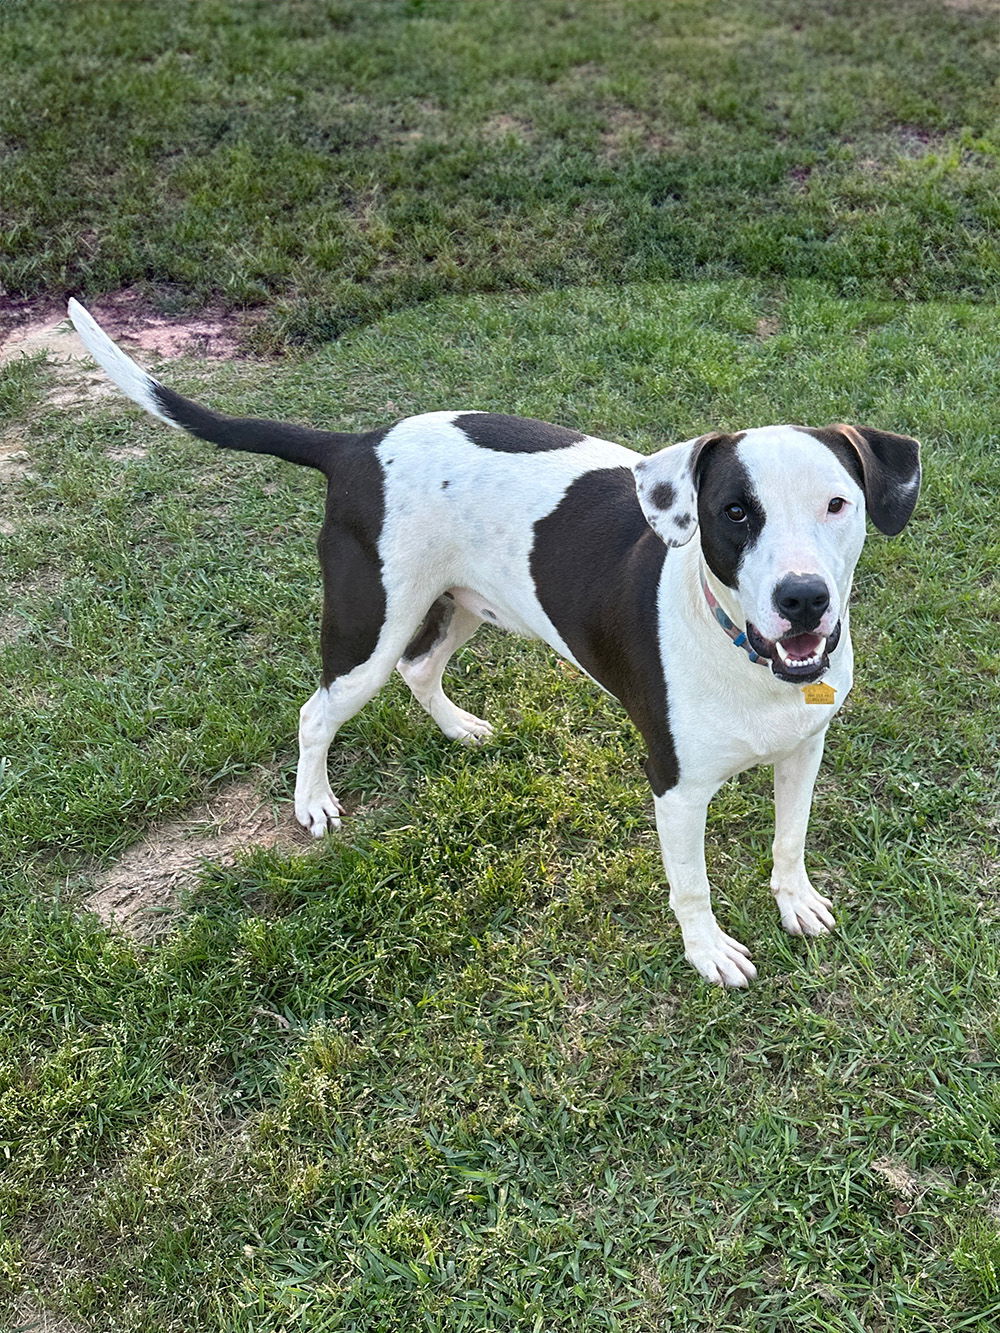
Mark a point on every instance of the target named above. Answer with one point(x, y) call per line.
point(126, 373)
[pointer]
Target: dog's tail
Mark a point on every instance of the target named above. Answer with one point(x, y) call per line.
point(297, 444)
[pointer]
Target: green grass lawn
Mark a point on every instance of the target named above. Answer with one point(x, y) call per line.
point(451, 1072)
point(329, 160)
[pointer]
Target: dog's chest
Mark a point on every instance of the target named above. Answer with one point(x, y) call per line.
point(727, 722)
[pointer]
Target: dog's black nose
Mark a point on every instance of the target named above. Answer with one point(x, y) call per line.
point(802, 599)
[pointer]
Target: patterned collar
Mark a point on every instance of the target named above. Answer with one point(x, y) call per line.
point(738, 636)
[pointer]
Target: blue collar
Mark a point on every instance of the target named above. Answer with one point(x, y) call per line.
point(738, 636)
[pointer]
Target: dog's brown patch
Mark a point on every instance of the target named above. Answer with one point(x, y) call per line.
point(139, 893)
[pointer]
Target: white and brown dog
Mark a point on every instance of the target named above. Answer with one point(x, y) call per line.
point(443, 521)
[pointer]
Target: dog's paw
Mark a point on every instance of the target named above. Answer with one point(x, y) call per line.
point(465, 728)
point(803, 910)
point(721, 960)
point(319, 814)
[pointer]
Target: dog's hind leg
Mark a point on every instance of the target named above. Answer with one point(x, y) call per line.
point(362, 640)
point(316, 807)
point(445, 628)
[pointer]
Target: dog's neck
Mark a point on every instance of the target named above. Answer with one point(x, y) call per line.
point(728, 625)
point(706, 587)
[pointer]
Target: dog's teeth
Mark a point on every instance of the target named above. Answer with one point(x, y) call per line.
point(800, 662)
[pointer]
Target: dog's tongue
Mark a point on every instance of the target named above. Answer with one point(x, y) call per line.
point(801, 646)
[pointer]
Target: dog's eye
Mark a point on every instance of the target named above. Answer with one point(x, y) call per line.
point(836, 504)
point(735, 513)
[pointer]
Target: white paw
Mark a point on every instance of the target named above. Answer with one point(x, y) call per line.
point(803, 910)
point(320, 813)
point(465, 728)
point(721, 960)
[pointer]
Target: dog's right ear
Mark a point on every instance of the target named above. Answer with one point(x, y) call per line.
point(667, 486)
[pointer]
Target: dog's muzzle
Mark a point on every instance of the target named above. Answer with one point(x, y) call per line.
point(800, 658)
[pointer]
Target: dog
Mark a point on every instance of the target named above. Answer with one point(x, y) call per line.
point(726, 652)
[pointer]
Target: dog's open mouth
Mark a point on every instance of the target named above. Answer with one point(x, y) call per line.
point(796, 657)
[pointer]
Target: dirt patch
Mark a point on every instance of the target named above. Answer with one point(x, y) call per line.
point(11, 630)
point(422, 124)
point(799, 178)
point(627, 131)
point(128, 317)
point(28, 327)
point(126, 453)
point(588, 72)
point(882, 154)
point(501, 127)
point(14, 458)
point(139, 893)
point(31, 1318)
point(767, 326)
point(77, 380)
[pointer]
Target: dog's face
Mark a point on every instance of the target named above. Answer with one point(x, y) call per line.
point(781, 516)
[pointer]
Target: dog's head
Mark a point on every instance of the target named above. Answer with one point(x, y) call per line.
point(781, 515)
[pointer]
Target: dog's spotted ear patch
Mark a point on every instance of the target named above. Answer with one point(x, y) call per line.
point(663, 495)
point(667, 486)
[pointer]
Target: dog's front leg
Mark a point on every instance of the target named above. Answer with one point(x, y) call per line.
point(680, 822)
point(803, 910)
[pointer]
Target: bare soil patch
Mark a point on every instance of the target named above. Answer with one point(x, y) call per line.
point(139, 894)
point(626, 130)
point(14, 458)
point(28, 327)
point(883, 153)
point(11, 629)
point(128, 317)
point(767, 327)
point(31, 1318)
point(505, 127)
point(126, 452)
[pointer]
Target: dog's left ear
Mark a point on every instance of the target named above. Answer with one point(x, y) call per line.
point(890, 474)
point(667, 486)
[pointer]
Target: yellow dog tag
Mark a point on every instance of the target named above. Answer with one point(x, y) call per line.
point(820, 693)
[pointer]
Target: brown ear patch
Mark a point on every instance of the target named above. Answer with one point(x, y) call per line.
point(886, 465)
point(663, 495)
point(667, 485)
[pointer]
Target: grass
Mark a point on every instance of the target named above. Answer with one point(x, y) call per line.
point(450, 1072)
point(336, 160)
